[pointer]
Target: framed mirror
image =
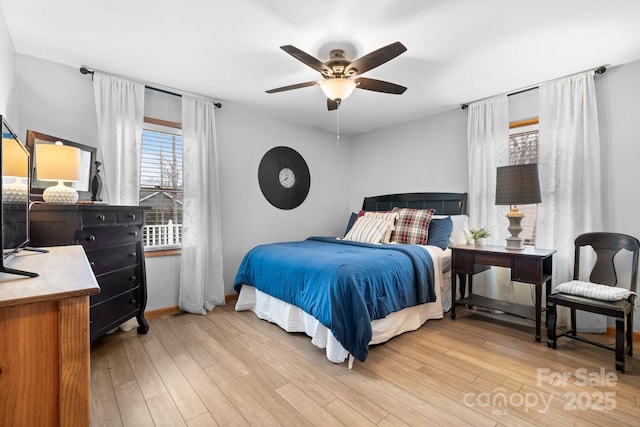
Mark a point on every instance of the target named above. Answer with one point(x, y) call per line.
point(87, 168)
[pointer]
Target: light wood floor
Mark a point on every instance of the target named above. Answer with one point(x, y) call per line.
point(231, 368)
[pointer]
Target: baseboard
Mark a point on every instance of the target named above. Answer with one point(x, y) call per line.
point(611, 330)
point(150, 314)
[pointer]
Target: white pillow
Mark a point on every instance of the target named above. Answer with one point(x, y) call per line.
point(390, 217)
point(593, 290)
point(368, 230)
point(460, 233)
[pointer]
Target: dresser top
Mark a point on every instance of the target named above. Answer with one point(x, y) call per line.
point(64, 272)
point(82, 206)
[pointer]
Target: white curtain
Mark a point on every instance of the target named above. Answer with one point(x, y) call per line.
point(569, 167)
point(201, 279)
point(120, 112)
point(488, 148)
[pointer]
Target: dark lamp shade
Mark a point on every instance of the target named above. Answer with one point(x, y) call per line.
point(517, 185)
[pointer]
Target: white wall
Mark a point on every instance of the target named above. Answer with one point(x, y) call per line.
point(430, 155)
point(57, 100)
point(7, 75)
point(618, 92)
point(247, 218)
point(423, 155)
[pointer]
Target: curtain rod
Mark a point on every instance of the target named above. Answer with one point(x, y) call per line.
point(599, 70)
point(85, 70)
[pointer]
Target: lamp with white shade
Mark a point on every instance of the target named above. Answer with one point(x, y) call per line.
point(58, 163)
point(15, 168)
point(517, 185)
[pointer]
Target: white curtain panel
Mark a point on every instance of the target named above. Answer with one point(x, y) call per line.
point(569, 167)
point(120, 113)
point(488, 148)
point(201, 279)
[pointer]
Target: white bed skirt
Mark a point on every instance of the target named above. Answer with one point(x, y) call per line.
point(293, 319)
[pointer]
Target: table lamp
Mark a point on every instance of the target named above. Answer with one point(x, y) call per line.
point(15, 164)
point(58, 163)
point(517, 185)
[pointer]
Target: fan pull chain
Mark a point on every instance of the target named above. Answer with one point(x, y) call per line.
point(338, 127)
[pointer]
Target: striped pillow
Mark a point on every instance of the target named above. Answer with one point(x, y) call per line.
point(367, 230)
point(388, 216)
point(412, 226)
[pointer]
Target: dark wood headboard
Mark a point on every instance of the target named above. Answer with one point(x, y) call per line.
point(443, 203)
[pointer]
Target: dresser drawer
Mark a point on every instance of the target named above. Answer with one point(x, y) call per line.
point(107, 237)
point(116, 282)
point(111, 236)
point(96, 217)
point(103, 261)
point(131, 216)
point(112, 311)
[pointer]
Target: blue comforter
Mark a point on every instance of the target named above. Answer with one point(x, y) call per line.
point(343, 284)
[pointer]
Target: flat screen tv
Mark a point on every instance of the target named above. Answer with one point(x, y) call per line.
point(14, 215)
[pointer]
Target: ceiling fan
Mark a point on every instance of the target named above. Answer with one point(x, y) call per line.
point(341, 74)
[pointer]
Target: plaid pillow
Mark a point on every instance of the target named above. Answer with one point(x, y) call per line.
point(412, 226)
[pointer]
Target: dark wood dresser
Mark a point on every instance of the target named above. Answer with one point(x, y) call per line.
point(112, 239)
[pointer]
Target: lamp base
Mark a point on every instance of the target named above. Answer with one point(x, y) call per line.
point(15, 192)
point(515, 242)
point(60, 194)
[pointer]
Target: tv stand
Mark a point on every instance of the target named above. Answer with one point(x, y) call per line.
point(8, 270)
point(18, 272)
point(4, 269)
point(30, 249)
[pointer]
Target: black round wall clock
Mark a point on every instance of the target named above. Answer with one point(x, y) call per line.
point(284, 177)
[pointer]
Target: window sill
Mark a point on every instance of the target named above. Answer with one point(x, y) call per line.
point(152, 253)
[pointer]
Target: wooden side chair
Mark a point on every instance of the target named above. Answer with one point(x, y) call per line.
point(600, 295)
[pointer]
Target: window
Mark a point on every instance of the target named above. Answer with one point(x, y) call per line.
point(161, 183)
point(523, 149)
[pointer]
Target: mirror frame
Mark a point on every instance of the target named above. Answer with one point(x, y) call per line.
point(36, 192)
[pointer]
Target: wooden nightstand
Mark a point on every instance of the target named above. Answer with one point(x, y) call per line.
point(530, 265)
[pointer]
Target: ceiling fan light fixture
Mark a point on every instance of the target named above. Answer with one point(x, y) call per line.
point(339, 88)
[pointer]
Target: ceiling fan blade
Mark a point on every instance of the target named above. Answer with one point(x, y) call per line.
point(332, 104)
point(375, 58)
point(307, 59)
point(290, 87)
point(379, 86)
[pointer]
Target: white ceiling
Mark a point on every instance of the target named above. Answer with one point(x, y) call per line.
point(458, 50)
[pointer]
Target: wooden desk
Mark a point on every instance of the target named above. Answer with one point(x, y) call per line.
point(44, 345)
point(530, 265)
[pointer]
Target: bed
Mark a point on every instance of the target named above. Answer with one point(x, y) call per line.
point(334, 288)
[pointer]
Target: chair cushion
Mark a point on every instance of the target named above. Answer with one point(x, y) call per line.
point(593, 290)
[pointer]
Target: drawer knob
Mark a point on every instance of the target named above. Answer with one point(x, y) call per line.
point(134, 233)
point(93, 264)
point(91, 238)
point(101, 217)
point(132, 301)
point(132, 278)
point(132, 216)
point(132, 254)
